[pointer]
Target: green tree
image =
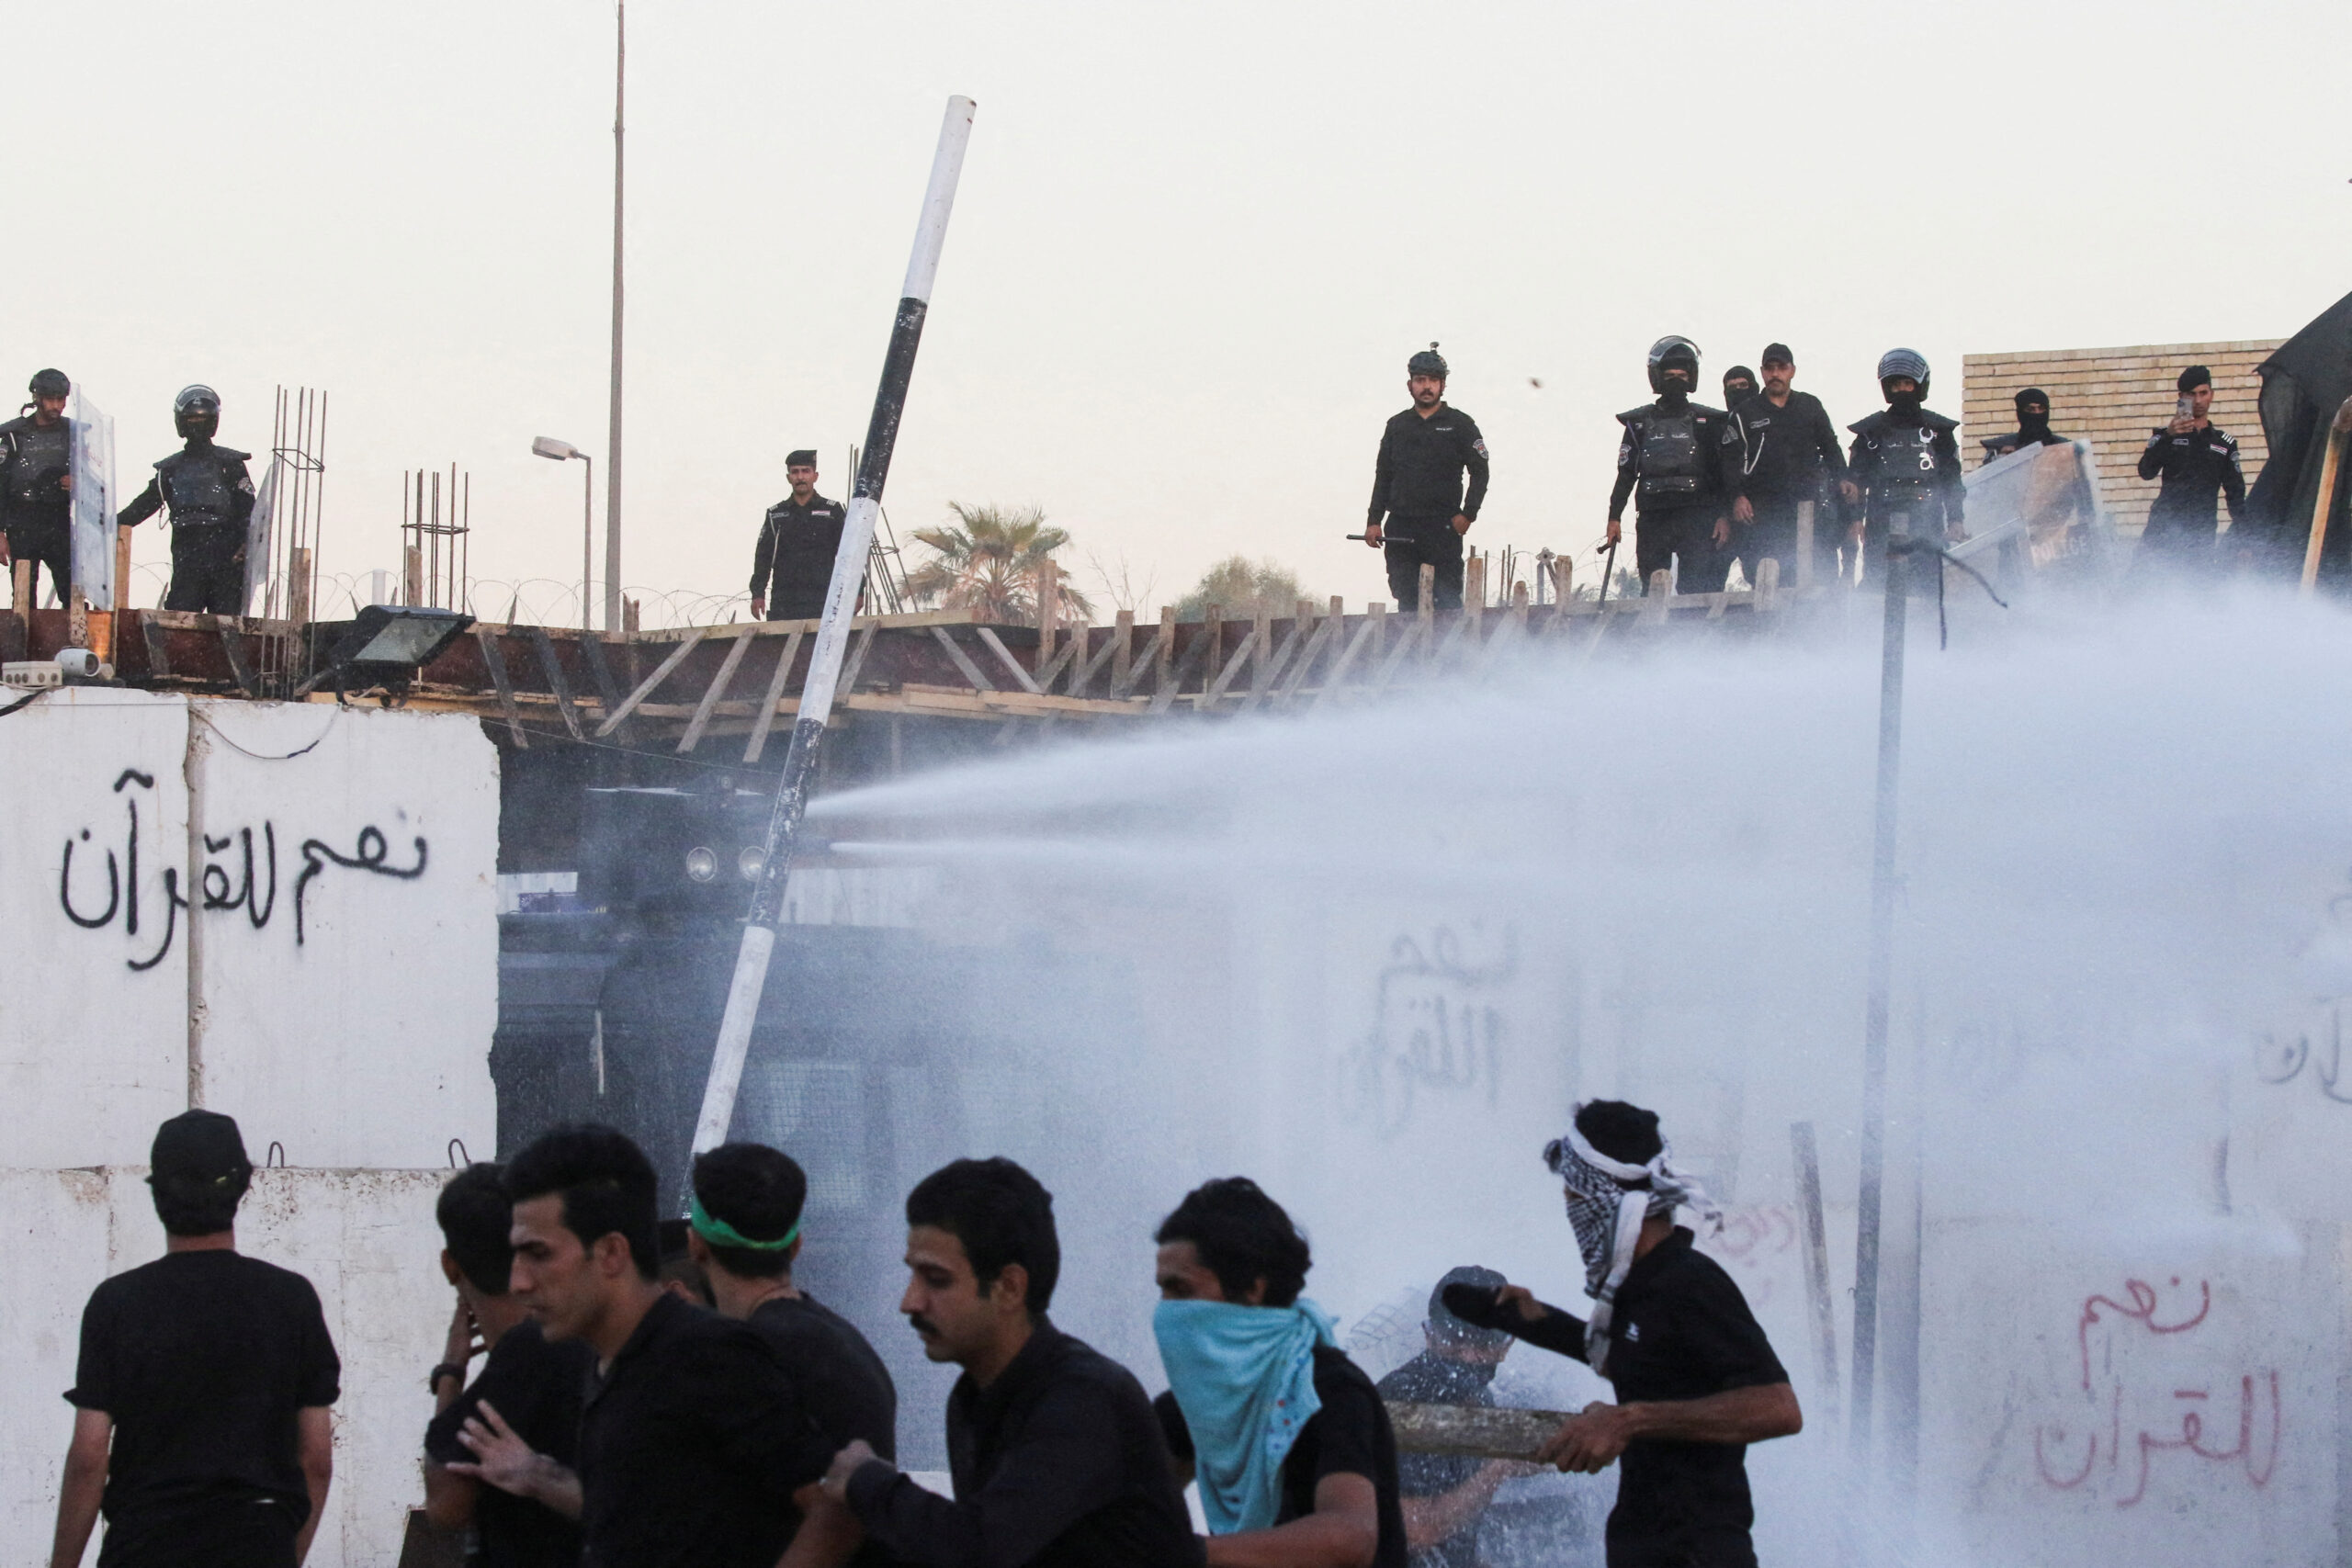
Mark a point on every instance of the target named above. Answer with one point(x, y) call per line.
point(988, 563)
point(1243, 587)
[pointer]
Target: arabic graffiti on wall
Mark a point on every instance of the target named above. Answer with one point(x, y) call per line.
point(2148, 1402)
point(240, 871)
point(1437, 1028)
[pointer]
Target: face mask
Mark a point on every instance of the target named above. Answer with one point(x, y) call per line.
point(1904, 402)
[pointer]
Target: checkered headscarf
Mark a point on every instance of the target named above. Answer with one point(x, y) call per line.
point(1607, 1202)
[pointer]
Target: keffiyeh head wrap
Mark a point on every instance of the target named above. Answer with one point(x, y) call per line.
point(1607, 1200)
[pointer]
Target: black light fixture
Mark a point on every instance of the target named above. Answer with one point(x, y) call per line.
point(385, 645)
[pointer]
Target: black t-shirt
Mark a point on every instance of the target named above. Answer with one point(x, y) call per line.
point(1349, 1436)
point(1429, 1378)
point(536, 1387)
point(203, 1359)
point(691, 1446)
point(847, 1388)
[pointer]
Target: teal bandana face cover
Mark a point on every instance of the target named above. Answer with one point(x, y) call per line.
point(1244, 1377)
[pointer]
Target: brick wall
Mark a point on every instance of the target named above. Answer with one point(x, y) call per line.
point(2114, 397)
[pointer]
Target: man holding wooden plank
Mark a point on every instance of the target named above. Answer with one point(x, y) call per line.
point(1696, 1379)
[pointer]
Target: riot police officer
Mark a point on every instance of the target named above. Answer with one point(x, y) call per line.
point(37, 481)
point(1417, 488)
point(2033, 426)
point(1680, 461)
point(211, 500)
point(1907, 461)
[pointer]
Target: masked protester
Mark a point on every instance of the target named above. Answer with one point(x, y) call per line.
point(210, 498)
point(2033, 426)
point(1907, 461)
point(2197, 460)
point(1695, 1378)
point(1679, 462)
point(37, 481)
point(1420, 509)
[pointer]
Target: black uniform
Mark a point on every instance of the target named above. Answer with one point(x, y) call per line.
point(536, 1385)
point(794, 564)
point(211, 500)
point(1416, 495)
point(1680, 461)
point(1907, 463)
point(1788, 453)
point(36, 508)
point(2184, 521)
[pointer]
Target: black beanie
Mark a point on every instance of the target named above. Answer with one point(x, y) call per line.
point(2196, 376)
point(1625, 1133)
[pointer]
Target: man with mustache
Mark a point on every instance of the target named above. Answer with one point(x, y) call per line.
point(1056, 1457)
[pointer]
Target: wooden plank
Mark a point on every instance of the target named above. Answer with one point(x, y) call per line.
point(718, 689)
point(1356, 644)
point(1026, 682)
point(1473, 1431)
point(1232, 668)
point(159, 656)
point(556, 683)
point(1275, 667)
point(1122, 641)
point(232, 645)
point(1414, 635)
point(1063, 660)
point(495, 662)
point(1325, 632)
point(847, 682)
point(963, 662)
point(1173, 682)
point(608, 692)
point(777, 679)
point(645, 688)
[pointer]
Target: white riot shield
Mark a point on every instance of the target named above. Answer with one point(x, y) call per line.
point(95, 502)
point(257, 533)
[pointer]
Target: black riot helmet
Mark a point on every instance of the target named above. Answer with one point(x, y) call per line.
point(1669, 352)
point(50, 384)
point(1903, 362)
point(1428, 362)
point(197, 411)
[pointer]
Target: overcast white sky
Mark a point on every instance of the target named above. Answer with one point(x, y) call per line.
point(1194, 244)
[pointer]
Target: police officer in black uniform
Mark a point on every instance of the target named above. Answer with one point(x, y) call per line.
point(1417, 488)
point(1680, 461)
point(1907, 461)
point(1789, 454)
point(2033, 426)
point(37, 481)
point(798, 540)
point(1739, 385)
point(211, 500)
point(2195, 458)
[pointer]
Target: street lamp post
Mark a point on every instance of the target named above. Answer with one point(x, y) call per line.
point(561, 451)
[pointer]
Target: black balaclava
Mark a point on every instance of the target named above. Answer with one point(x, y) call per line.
point(1905, 406)
point(2033, 426)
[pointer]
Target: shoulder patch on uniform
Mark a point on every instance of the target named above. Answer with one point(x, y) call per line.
point(1479, 446)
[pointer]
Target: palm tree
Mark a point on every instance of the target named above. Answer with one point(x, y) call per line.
point(989, 566)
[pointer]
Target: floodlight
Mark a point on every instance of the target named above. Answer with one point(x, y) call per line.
point(387, 644)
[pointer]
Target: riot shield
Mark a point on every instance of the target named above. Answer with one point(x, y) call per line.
point(95, 502)
point(257, 533)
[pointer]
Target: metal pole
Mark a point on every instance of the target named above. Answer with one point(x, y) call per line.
point(587, 534)
point(613, 429)
point(832, 635)
point(1881, 967)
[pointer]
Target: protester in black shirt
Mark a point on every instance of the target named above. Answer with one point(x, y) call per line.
point(696, 1449)
point(534, 1384)
point(1419, 508)
point(210, 1375)
point(1245, 1355)
point(1789, 454)
point(746, 1232)
point(1445, 1496)
point(1056, 1457)
point(799, 539)
point(2033, 426)
point(1696, 1379)
point(2197, 460)
point(1680, 463)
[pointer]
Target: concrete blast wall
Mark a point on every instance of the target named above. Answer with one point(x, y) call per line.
point(283, 912)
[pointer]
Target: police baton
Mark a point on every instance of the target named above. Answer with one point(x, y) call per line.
point(1608, 571)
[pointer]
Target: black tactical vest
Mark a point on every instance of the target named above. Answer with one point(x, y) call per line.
point(1669, 456)
point(1905, 464)
point(196, 489)
point(36, 458)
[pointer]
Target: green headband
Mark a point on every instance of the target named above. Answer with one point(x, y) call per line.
point(719, 1233)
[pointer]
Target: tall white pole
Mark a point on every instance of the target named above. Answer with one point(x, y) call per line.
point(613, 432)
point(832, 634)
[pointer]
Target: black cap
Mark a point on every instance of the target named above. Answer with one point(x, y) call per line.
point(202, 1146)
point(803, 459)
point(1777, 353)
point(2196, 376)
point(1428, 362)
point(1442, 1318)
point(50, 384)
